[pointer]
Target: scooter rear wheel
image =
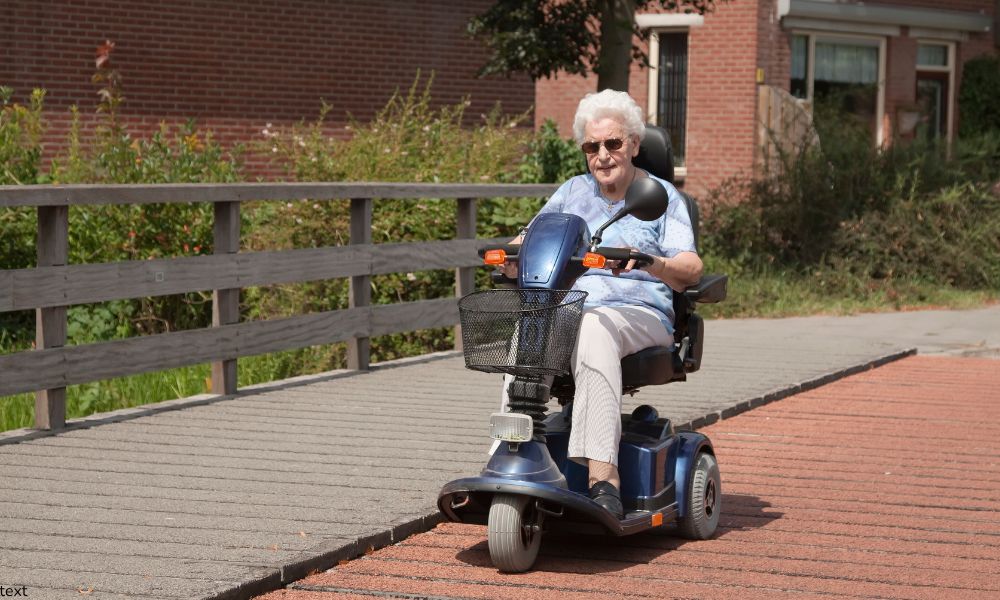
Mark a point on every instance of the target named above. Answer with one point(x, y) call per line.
point(704, 500)
point(515, 532)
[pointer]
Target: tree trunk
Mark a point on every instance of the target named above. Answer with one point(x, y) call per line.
point(615, 57)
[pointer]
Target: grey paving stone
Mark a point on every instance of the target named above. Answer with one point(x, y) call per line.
point(81, 583)
point(63, 542)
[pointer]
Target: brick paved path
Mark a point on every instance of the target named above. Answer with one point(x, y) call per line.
point(882, 485)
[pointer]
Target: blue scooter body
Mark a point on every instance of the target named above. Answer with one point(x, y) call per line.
point(655, 463)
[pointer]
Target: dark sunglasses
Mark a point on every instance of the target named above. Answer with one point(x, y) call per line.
point(611, 144)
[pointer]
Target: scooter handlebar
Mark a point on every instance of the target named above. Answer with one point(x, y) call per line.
point(623, 255)
point(509, 249)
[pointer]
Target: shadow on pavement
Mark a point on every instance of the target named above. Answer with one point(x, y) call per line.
point(568, 553)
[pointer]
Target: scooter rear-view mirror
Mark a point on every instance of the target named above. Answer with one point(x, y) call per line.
point(645, 199)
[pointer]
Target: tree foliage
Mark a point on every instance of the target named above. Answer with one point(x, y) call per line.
point(542, 37)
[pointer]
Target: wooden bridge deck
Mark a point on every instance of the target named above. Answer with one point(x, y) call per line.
point(224, 498)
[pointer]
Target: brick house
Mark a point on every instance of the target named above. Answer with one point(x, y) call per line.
point(712, 75)
point(236, 65)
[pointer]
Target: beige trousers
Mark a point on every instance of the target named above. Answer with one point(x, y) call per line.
point(607, 334)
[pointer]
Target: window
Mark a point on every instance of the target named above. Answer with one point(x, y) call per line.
point(932, 55)
point(841, 74)
point(668, 62)
point(671, 93)
point(800, 66)
point(935, 80)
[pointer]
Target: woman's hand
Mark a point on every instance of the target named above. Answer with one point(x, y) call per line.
point(618, 269)
point(509, 268)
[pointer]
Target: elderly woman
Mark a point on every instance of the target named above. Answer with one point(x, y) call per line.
point(627, 309)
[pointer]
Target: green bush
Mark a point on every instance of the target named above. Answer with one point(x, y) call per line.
point(912, 212)
point(21, 130)
point(551, 158)
point(978, 96)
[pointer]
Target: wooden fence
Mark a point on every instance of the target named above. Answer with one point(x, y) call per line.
point(53, 285)
point(784, 128)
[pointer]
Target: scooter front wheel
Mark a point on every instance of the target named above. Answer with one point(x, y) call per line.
point(515, 532)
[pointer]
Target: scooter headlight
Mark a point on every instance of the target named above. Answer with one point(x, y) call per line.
point(511, 427)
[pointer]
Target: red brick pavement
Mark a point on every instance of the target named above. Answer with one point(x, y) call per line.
point(882, 485)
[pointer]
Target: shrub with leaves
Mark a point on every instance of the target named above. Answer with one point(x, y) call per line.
point(848, 212)
point(21, 130)
point(551, 158)
point(978, 96)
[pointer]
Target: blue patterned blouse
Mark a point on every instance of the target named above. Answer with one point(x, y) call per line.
point(666, 236)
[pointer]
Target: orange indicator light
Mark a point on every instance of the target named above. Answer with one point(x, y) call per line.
point(657, 519)
point(593, 261)
point(494, 257)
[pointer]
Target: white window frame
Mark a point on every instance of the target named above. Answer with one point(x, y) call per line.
point(950, 70)
point(653, 83)
point(811, 36)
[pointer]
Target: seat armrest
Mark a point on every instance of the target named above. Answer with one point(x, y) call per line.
point(710, 289)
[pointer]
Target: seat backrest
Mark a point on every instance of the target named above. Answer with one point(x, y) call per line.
point(692, 206)
point(656, 155)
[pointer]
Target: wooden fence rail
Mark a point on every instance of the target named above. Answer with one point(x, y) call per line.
point(53, 285)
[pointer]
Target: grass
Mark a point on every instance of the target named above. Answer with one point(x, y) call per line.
point(765, 294)
point(778, 294)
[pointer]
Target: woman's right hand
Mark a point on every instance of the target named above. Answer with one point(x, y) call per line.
point(509, 268)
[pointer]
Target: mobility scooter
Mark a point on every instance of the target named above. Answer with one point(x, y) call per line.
point(669, 479)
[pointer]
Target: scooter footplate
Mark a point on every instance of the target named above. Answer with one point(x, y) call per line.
point(468, 501)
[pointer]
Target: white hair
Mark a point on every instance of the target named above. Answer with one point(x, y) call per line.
point(609, 104)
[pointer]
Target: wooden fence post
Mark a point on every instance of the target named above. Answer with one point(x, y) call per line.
point(50, 323)
point(360, 292)
point(465, 277)
point(226, 302)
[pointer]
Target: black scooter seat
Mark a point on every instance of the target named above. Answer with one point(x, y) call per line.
point(651, 366)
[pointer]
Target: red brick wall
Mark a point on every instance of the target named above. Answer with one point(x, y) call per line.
point(900, 81)
point(722, 96)
point(235, 65)
point(774, 50)
point(556, 99)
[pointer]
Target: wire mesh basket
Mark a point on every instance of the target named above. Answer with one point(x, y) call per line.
point(520, 332)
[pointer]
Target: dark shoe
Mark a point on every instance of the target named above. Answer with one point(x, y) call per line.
point(607, 495)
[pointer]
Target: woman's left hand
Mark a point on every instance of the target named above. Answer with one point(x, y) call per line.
point(616, 271)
